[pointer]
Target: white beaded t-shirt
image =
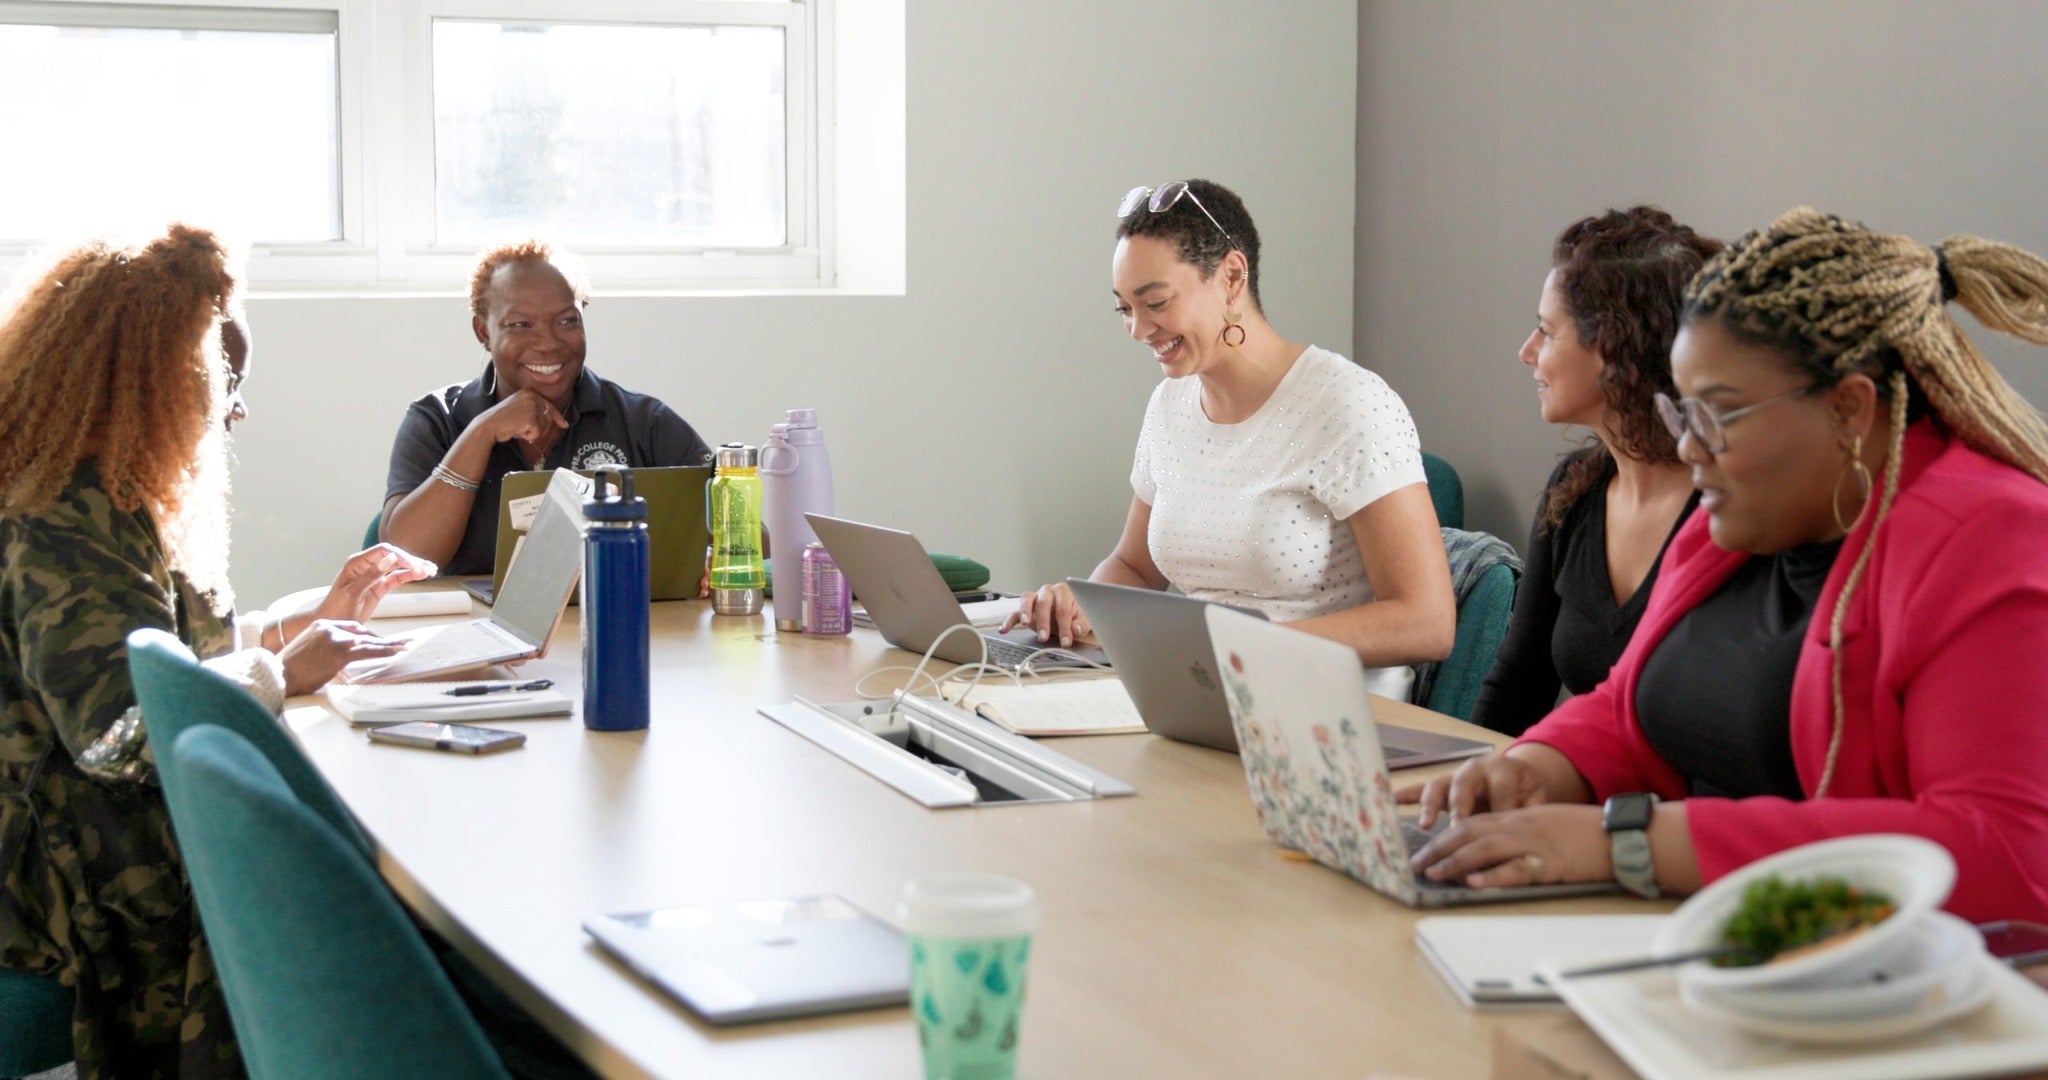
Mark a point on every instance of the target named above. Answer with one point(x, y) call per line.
point(1255, 513)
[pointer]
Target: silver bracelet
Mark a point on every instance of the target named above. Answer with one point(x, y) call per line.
point(452, 478)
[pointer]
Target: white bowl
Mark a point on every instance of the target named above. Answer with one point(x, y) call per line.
point(1916, 874)
point(1939, 951)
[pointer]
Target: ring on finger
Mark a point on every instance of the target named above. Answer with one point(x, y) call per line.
point(1534, 863)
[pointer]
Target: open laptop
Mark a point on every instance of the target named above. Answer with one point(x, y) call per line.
point(1312, 760)
point(676, 530)
point(537, 588)
point(903, 593)
point(1159, 643)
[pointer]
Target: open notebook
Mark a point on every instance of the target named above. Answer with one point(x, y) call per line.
point(1057, 707)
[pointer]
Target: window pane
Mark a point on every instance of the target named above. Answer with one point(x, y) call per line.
point(614, 135)
point(234, 129)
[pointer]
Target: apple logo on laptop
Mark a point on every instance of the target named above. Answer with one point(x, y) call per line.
point(1202, 677)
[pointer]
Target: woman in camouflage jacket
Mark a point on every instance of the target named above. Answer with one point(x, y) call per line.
point(120, 373)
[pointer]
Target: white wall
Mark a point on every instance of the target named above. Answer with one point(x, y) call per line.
point(993, 408)
point(1485, 128)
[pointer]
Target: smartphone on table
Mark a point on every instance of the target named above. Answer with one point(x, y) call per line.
point(2021, 944)
point(457, 738)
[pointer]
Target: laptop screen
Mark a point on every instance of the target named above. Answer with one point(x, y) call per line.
point(547, 565)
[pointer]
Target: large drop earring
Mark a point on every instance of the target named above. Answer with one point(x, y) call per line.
point(1862, 473)
point(1232, 320)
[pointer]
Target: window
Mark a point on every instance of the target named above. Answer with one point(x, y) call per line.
point(377, 144)
point(164, 123)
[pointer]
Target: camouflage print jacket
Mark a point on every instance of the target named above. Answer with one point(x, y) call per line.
point(95, 893)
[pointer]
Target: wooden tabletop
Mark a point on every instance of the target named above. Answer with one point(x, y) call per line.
point(1176, 940)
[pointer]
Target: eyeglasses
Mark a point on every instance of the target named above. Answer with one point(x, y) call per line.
point(1162, 199)
point(1707, 426)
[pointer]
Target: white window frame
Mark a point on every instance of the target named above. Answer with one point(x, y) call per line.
point(386, 126)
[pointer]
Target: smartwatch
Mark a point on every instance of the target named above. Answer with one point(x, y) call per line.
point(1626, 819)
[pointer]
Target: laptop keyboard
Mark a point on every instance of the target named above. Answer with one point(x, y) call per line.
point(477, 642)
point(1006, 653)
point(1415, 835)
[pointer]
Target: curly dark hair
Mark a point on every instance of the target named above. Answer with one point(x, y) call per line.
point(1195, 237)
point(1622, 276)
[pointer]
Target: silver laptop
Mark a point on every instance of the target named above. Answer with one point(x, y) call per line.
point(1160, 645)
point(537, 588)
point(895, 580)
point(763, 959)
point(1312, 760)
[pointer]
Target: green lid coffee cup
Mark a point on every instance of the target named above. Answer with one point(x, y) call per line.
point(970, 945)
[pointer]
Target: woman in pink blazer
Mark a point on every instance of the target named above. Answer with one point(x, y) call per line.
point(1853, 635)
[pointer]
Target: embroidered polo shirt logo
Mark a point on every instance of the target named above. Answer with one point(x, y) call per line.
point(597, 455)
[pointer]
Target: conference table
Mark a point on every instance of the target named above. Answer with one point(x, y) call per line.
point(1176, 939)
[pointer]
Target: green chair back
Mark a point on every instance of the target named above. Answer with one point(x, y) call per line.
point(370, 534)
point(1482, 625)
point(176, 693)
point(35, 1023)
point(1446, 491)
point(323, 974)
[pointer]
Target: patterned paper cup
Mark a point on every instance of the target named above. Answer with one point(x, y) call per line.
point(970, 945)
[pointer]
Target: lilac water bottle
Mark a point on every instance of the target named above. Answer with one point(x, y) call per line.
point(615, 605)
point(796, 479)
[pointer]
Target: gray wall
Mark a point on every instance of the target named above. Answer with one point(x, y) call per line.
point(993, 409)
point(1484, 128)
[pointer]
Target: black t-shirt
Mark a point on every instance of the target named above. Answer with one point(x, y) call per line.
point(1566, 629)
point(608, 425)
point(1715, 698)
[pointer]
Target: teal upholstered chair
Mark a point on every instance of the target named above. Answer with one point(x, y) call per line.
point(370, 534)
point(176, 693)
point(1484, 574)
point(1446, 491)
point(35, 1023)
point(324, 975)
point(1482, 625)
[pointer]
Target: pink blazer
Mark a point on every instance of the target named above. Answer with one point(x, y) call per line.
point(1944, 679)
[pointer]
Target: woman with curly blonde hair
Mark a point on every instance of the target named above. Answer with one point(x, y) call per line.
point(1848, 637)
point(120, 373)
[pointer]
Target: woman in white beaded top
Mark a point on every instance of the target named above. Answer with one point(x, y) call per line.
point(1269, 474)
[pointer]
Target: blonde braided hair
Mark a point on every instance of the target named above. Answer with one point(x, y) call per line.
point(1838, 299)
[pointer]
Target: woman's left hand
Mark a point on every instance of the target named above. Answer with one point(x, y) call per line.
point(365, 578)
point(1535, 845)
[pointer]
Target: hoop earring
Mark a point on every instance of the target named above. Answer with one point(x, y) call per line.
point(1233, 321)
point(1862, 474)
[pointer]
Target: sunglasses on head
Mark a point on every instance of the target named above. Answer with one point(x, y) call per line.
point(1161, 199)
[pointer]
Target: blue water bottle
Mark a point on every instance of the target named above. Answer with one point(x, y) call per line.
point(615, 602)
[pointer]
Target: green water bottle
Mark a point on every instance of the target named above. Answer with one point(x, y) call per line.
point(738, 575)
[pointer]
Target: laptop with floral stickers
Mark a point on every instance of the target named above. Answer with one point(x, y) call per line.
point(1312, 760)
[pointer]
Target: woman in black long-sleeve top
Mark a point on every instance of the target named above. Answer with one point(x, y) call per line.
point(1602, 346)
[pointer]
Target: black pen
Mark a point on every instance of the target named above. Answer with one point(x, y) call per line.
point(481, 689)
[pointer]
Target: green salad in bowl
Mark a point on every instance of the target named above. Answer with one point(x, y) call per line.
point(1779, 920)
point(1832, 913)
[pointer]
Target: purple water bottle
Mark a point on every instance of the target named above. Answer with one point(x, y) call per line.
point(615, 603)
point(796, 478)
point(828, 602)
